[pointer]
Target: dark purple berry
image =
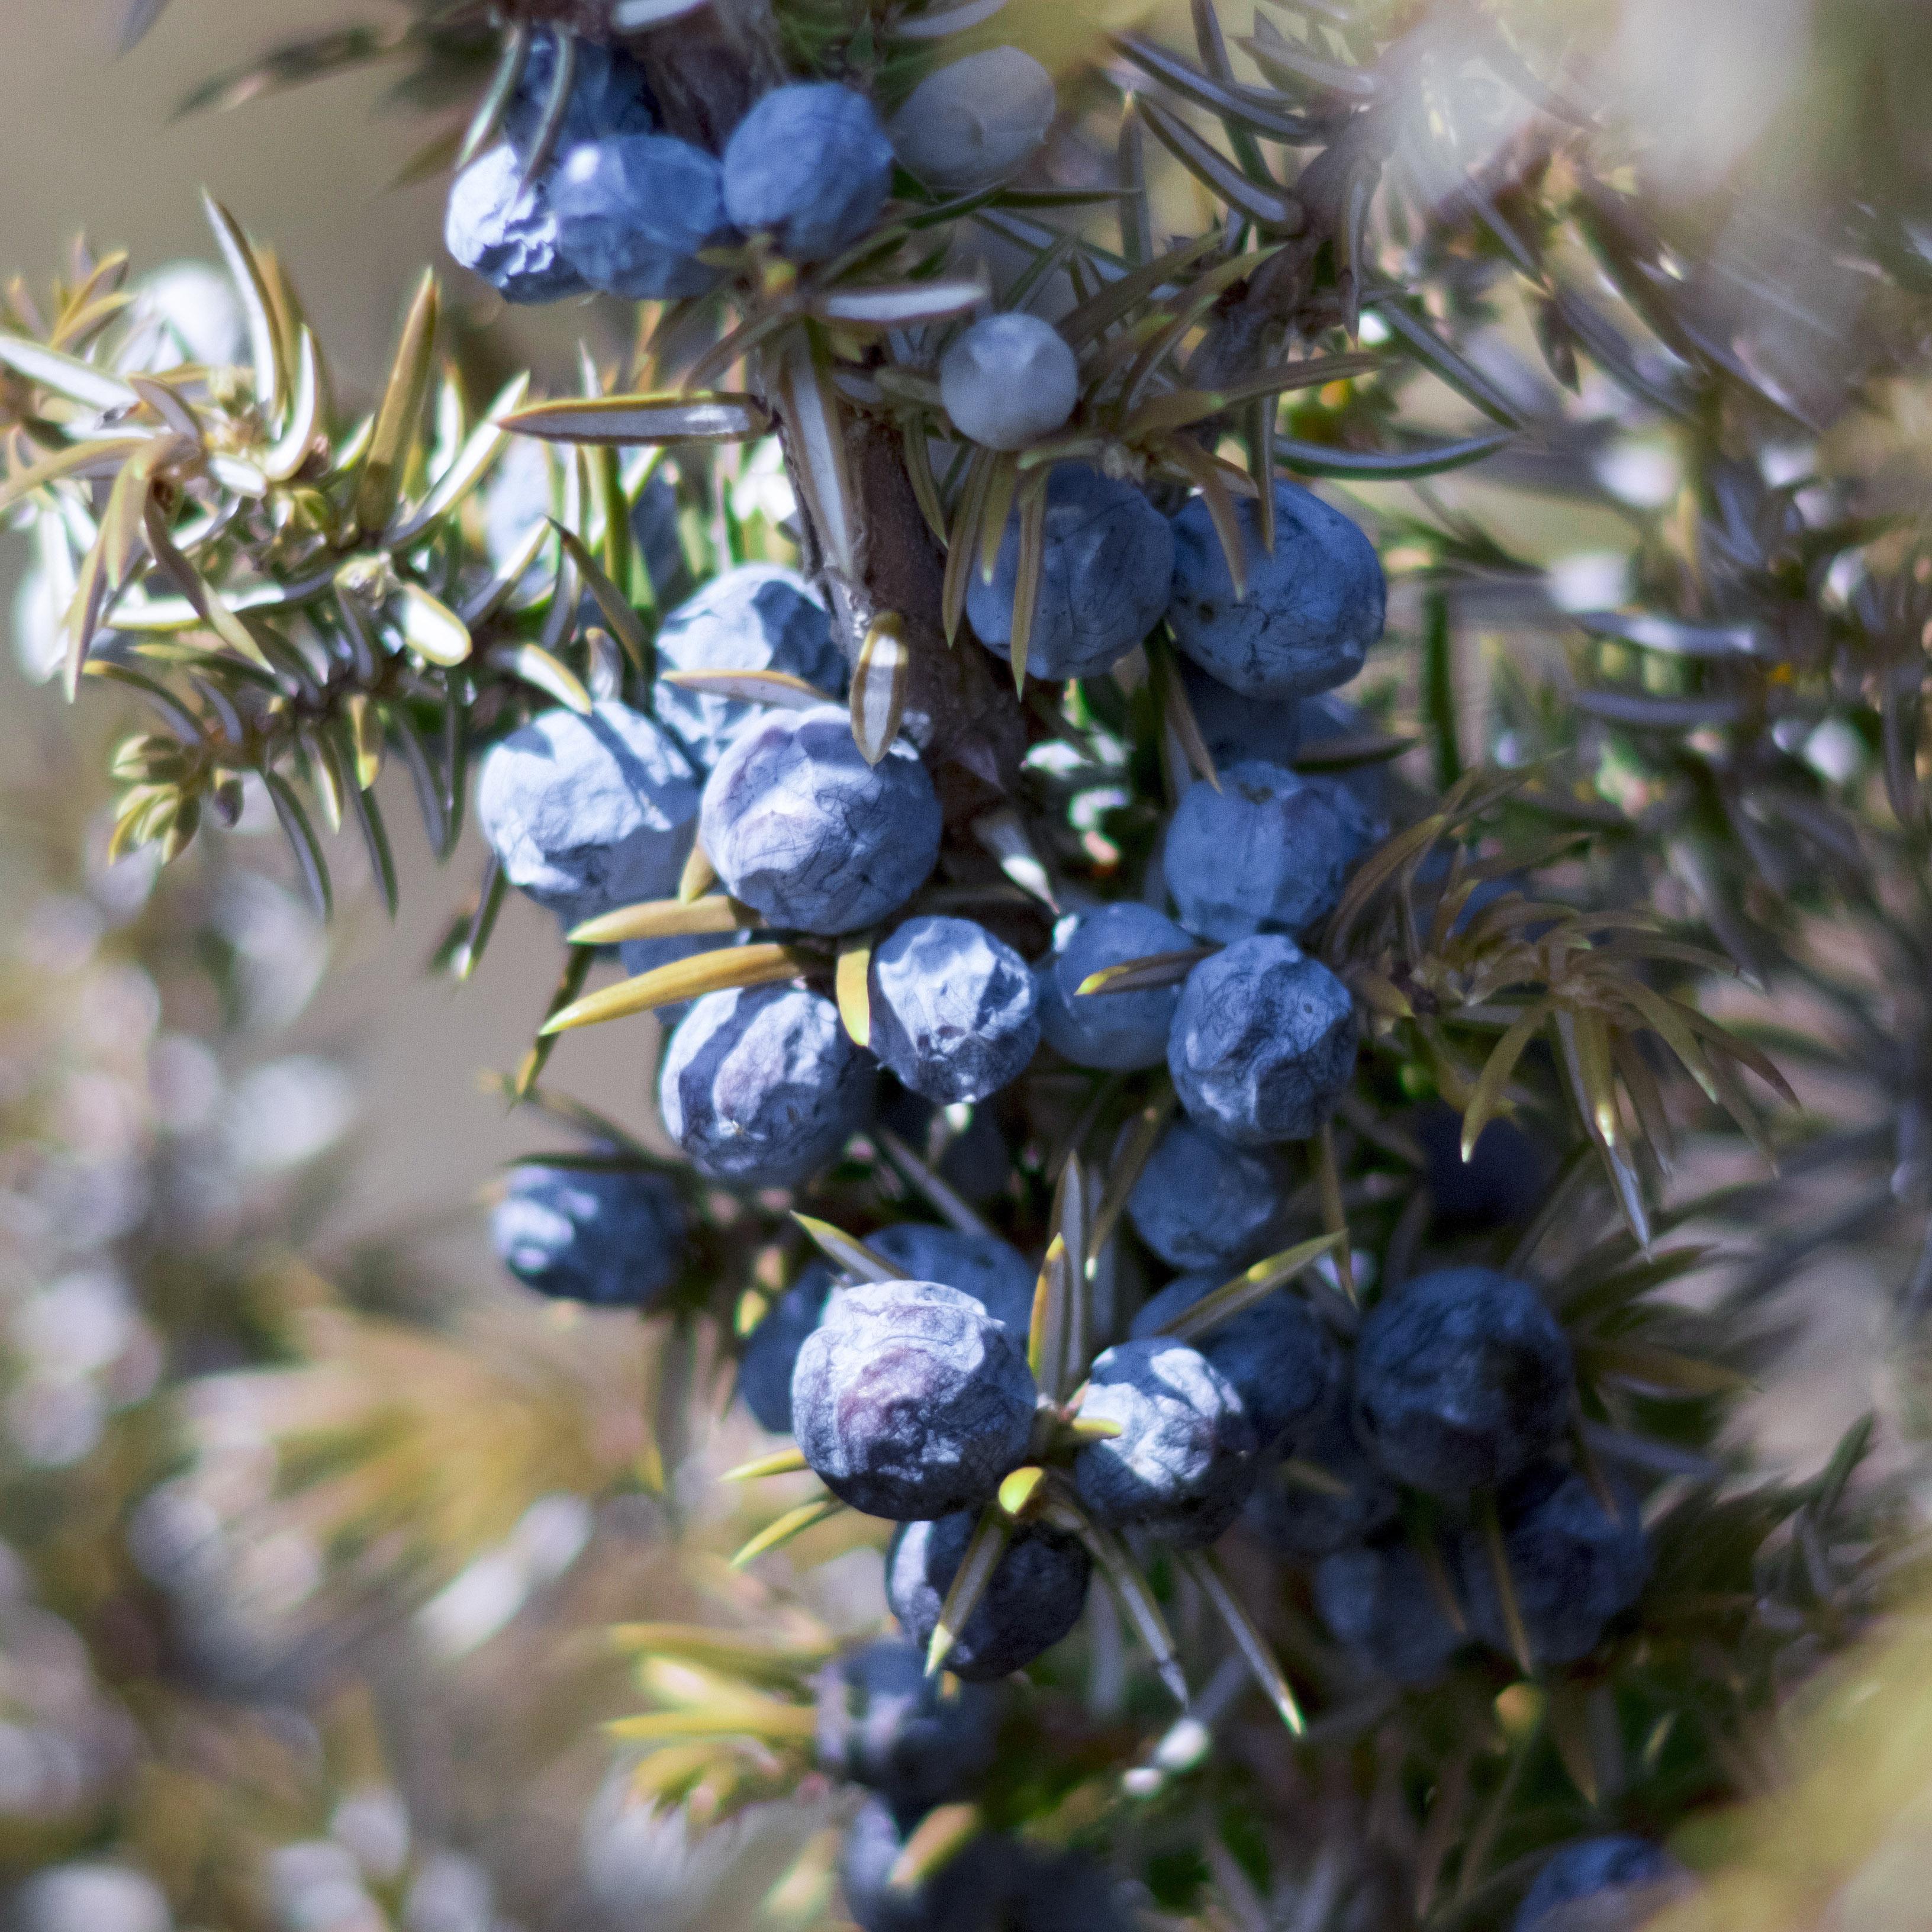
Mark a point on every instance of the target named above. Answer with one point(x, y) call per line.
point(1462, 1379)
point(1038, 1591)
point(883, 1723)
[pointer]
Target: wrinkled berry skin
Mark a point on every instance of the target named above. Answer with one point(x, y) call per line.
point(1462, 1379)
point(1277, 1356)
point(1306, 1523)
point(1240, 731)
point(508, 233)
point(762, 1085)
point(587, 814)
point(1119, 1031)
point(1574, 1566)
point(811, 165)
point(954, 1010)
point(1038, 1590)
point(1313, 607)
point(1186, 1458)
point(1383, 1611)
point(1201, 1203)
point(632, 211)
point(971, 1891)
point(1109, 555)
point(998, 1277)
point(756, 616)
point(1500, 1183)
point(613, 1238)
point(1009, 380)
point(798, 826)
point(909, 1401)
point(1263, 1043)
point(1266, 852)
point(974, 121)
point(771, 1350)
point(883, 1723)
point(608, 95)
point(1619, 1862)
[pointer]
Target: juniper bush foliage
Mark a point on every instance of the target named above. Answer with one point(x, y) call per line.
point(1008, 567)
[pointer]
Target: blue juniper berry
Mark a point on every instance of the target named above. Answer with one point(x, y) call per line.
point(909, 1401)
point(974, 121)
point(608, 95)
point(954, 1009)
point(972, 1892)
point(761, 1086)
point(1324, 1495)
point(1038, 1590)
point(993, 1272)
point(1617, 1866)
point(884, 1723)
point(754, 617)
point(1240, 731)
point(800, 826)
point(1263, 1042)
point(1119, 1031)
point(504, 230)
point(770, 1353)
point(1313, 607)
point(1385, 1610)
point(811, 165)
point(1265, 851)
point(1462, 1379)
point(995, 1275)
point(588, 813)
point(1009, 380)
point(611, 1237)
point(1103, 583)
point(1324, 720)
point(1200, 1203)
point(1186, 1457)
point(634, 210)
point(1278, 1355)
point(1573, 1564)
